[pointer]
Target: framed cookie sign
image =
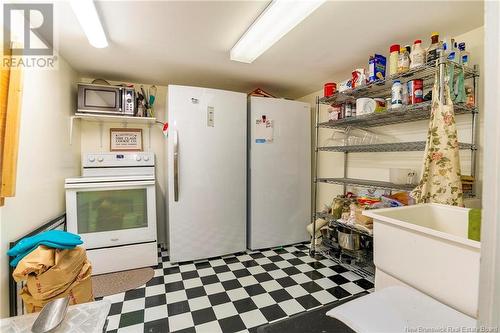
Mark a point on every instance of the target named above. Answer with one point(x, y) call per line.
point(125, 139)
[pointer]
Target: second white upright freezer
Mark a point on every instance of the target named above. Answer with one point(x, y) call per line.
point(279, 172)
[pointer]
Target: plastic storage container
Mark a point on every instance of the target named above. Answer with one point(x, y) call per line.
point(393, 59)
point(403, 60)
point(417, 55)
point(329, 89)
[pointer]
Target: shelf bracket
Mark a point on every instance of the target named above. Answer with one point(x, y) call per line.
point(71, 125)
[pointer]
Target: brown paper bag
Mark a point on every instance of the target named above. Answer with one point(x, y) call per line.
point(56, 279)
point(80, 291)
point(53, 273)
point(44, 258)
point(36, 262)
point(66, 265)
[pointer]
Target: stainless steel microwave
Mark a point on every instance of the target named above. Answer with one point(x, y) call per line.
point(115, 100)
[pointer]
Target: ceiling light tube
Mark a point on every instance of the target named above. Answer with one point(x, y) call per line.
point(277, 20)
point(86, 14)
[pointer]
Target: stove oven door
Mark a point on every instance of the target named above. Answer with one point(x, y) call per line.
point(112, 213)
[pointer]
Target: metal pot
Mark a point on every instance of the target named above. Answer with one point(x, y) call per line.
point(348, 239)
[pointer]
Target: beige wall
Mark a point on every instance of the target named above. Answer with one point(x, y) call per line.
point(45, 159)
point(156, 143)
point(376, 165)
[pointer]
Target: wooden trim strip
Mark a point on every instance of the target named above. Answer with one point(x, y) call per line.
point(11, 136)
point(4, 92)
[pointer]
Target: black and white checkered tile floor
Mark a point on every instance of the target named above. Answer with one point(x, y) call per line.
point(233, 293)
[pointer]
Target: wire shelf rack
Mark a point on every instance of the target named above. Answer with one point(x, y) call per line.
point(376, 184)
point(386, 147)
point(366, 183)
point(408, 113)
point(425, 72)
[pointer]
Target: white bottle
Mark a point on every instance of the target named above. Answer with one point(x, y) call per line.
point(417, 55)
point(396, 95)
point(404, 94)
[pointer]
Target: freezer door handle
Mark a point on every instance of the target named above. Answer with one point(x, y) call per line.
point(176, 166)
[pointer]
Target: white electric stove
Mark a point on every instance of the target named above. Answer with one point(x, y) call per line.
point(112, 206)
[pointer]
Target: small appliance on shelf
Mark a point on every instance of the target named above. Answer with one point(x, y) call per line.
point(112, 206)
point(106, 99)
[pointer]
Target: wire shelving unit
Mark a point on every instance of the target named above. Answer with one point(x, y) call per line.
point(405, 114)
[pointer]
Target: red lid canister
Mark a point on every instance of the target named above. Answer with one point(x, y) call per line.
point(329, 89)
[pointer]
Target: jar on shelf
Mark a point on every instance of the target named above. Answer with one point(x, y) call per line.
point(329, 89)
point(396, 95)
point(393, 59)
point(403, 60)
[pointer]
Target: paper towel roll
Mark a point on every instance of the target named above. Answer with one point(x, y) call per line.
point(365, 106)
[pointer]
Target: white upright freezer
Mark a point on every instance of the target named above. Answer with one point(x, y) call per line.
point(207, 164)
point(279, 172)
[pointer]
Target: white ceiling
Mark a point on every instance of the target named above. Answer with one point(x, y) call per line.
point(187, 42)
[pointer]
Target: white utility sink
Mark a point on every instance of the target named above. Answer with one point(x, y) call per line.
point(426, 247)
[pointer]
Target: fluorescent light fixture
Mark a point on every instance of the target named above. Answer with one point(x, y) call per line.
point(89, 21)
point(277, 20)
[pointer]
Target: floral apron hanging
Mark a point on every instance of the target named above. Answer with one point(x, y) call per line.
point(440, 182)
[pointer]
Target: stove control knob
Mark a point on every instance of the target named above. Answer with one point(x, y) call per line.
point(100, 159)
point(91, 158)
point(146, 158)
point(138, 158)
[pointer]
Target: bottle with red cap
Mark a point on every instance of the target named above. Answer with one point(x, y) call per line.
point(393, 59)
point(417, 55)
